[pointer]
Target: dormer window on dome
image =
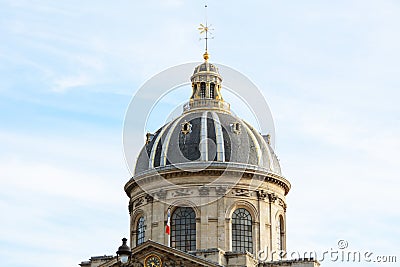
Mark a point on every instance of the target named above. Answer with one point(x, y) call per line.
point(186, 127)
point(236, 127)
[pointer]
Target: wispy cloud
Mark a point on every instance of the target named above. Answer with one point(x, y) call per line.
point(329, 71)
point(64, 83)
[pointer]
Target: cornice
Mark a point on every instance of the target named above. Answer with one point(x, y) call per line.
point(156, 175)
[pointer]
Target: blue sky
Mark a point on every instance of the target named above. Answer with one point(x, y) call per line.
point(68, 69)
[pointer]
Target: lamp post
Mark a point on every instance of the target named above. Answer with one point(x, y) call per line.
point(124, 252)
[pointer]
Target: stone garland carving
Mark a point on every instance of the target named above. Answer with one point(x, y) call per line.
point(204, 191)
point(135, 203)
point(183, 192)
point(242, 193)
point(161, 194)
point(220, 190)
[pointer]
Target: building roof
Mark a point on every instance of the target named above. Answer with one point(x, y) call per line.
point(207, 136)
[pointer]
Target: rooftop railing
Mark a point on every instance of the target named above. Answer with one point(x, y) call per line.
point(206, 103)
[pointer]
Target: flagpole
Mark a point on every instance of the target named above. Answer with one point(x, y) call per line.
point(168, 227)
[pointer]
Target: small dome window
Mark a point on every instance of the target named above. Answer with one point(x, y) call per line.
point(212, 90)
point(203, 90)
point(194, 91)
point(149, 137)
point(186, 127)
point(236, 127)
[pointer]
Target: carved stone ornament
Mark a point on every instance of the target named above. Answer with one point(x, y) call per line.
point(220, 190)
point(242, 193)
point(282, 204)
point(182, 192)
point(261, 195)
point(149, 198)
point(161, 194)
point(204, 191)
point(139, 202)
point(272, 197)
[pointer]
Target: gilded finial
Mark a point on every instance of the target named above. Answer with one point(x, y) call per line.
point(206, 56)
point(205, 29)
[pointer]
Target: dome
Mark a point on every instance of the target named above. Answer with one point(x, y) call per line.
point(207, 133)
point(206, 67)
point(207, 136)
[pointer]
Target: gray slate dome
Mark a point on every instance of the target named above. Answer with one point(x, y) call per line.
point(207, 136)
point(207, 133)
point(206, 67)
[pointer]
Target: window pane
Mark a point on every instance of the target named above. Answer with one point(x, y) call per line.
point(242, 237)
point(280, 233)
point(202, 90)
point(212, 86)
point(140, 229)
point(183, 229)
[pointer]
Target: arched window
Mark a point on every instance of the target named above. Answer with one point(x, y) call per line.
point(280, 233)
point(203, 90)
point(194, 90)
point(212, 90)
point(242, 237)
point(183, 229)
point(140, 229)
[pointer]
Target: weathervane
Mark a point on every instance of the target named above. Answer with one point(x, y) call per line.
point(205, 29)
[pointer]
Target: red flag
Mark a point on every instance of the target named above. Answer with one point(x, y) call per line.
point(168, 227)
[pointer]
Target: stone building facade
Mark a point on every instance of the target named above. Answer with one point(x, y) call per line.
point(215, 181)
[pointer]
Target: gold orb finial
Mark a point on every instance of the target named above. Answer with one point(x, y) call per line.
point(206, 56)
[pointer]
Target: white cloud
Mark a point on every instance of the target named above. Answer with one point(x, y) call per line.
point(331, 71)
point(65, 83)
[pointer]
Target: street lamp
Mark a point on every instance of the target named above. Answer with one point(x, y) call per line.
point(124, 251)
